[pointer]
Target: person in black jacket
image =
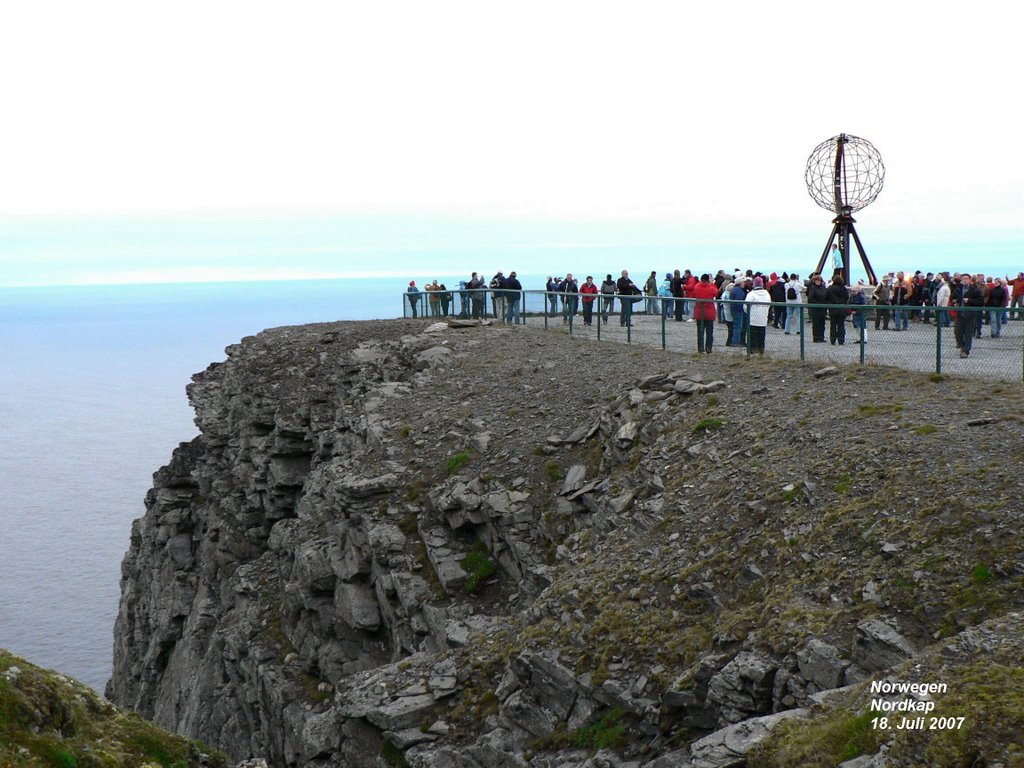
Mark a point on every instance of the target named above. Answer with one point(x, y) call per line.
point(817, 293)
point(778, 294)
point(964, 295)
point(837, 293)
point(678, 291)
point(626, 289)
point(997, 297)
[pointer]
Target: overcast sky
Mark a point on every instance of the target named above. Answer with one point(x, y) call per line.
point(691, 113)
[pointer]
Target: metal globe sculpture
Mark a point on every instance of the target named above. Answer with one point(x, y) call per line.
point(844, 174)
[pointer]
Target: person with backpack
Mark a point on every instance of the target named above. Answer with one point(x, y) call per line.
point(607, 298)
point(794, 303)
point(498, 303)
point(665, 292)
point(651, 291)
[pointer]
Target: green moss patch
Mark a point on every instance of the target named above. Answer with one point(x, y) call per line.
point(47, 719)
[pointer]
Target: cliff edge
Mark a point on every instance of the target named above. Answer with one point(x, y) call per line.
point(491, 546)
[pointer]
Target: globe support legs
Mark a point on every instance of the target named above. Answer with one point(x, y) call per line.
point(843, 229)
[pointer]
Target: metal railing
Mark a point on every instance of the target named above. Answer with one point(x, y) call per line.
point(975, 341)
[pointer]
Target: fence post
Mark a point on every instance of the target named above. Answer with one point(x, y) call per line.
point(803, 355)
point(938, 340)
point(663, 326)
point(863, 322)
point(404, 302)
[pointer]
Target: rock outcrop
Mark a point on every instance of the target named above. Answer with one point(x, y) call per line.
point(490, 546)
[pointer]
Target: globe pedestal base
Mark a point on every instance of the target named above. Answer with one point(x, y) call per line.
point(843, 229)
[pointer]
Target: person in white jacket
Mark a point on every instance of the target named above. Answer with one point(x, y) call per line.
point(942, 300)
point(757, 302)
point(795, 296)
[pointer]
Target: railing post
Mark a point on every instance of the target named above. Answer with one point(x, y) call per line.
point(862, 322)
point(803, 351)
point(405, 300)
point(938, 340)
point(663, 345)
point(547, 302)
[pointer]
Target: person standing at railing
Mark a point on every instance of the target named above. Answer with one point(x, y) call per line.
point(837, 293)
point(817, 294)
point(414, 297)
point(997, 301)
point(551, 286)
point(1016, 285)
point(777, 290)
point(966, 295)
point(651, 291)
point(665, 292)
point(737, 295)
point(757, 306)
point(941, 302)
point(513, 292)
point(860, 316)
point(433, 297)
point(607, 298)
point(705, 312)
point(981, 317)
point(678, 291)
point(794, 303)
point(463, 300)
point(588, 292)
point(569, 289)
point(478, 296)
point(497, 295)
point(881, 297)
point(446, 299)
point(902, 295)
point(627, 291)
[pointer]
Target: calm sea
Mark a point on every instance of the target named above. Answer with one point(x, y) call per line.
point(92, 402)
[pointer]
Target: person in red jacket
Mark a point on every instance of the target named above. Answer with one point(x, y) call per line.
point(589, 293)
point(704, 312)
point(1016, 285)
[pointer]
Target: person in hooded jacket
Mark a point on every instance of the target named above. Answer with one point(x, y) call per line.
point(665, 292)
point(817, 293)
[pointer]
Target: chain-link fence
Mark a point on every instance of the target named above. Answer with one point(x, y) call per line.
point(982, 342)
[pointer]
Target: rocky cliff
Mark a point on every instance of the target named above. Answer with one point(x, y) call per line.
point(500, 547)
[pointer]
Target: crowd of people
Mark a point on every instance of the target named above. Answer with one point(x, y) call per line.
point(748, 302)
